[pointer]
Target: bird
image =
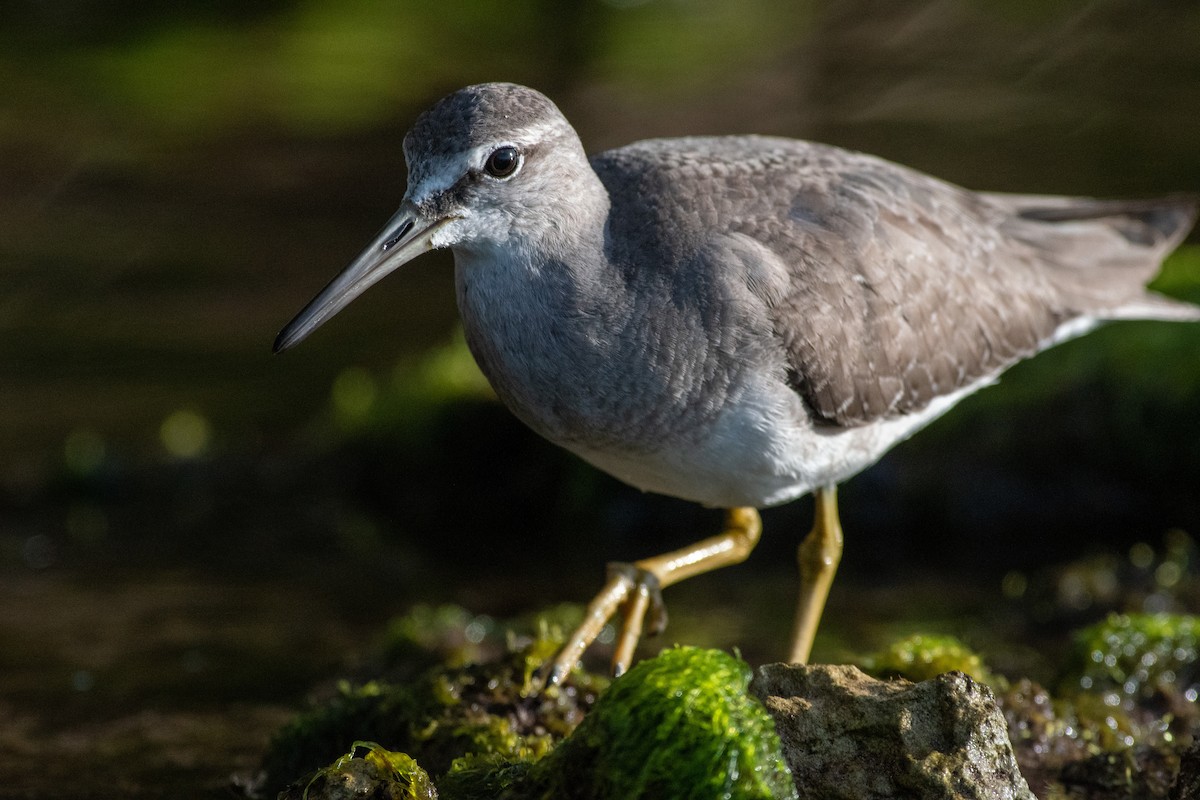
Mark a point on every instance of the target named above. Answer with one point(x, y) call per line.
point(742, 320)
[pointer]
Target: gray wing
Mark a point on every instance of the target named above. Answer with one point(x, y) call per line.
point(890, 287)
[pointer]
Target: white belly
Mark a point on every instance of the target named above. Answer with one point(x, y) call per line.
point(765, 451)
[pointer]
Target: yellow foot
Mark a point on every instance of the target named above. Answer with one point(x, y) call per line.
point(636, 590)
point(633, 592)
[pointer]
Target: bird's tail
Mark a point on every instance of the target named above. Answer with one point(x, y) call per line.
point(1102, 253)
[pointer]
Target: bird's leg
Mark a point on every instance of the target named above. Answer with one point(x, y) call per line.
point(635, 589)
point(819, 555)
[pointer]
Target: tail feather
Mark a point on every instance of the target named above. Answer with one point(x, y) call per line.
point(1100, 254)
point(1154, 306)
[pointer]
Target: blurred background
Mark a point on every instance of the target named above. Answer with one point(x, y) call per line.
point(194, 531)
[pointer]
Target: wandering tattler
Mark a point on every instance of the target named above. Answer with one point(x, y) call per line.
point(739, 320)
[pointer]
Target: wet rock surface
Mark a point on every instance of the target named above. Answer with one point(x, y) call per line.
point(848, 735)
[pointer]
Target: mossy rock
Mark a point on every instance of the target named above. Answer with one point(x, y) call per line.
point(379, 774)
point(494, 709)
point(680, 725)
point(921, 657)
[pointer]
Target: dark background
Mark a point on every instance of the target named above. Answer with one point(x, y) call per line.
point(194, 531)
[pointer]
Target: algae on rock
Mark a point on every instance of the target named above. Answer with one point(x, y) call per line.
point(441, 714)
point(680, 725)
point(378, 773)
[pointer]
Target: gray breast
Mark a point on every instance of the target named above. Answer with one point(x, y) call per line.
point(611, 356)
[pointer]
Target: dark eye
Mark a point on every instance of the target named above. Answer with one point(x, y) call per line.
point(502, 162)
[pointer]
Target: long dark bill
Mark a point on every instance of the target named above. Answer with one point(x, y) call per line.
point(406, 236)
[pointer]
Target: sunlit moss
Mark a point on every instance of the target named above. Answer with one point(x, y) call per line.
point(377, 773)
point(680, 725)
point(921, 656)
point(1132, 656)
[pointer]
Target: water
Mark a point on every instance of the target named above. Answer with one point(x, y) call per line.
point(183, 517)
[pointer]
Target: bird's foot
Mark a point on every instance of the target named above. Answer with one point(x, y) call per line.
point(634, 592)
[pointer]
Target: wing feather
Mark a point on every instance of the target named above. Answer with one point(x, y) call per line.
point(896, 287)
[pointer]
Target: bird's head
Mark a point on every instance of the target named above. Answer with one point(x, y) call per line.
point(486, 170)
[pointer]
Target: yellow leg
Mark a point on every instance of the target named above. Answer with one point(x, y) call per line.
point(819, 555)
point(634, 588)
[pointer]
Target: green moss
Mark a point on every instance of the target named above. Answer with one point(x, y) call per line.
point(378, 773)
point(920, 657)
point(1128, 657)
point(1128, 692)
point(443, 713)
point(484, 777)
point(680, 726)
point(374, 710)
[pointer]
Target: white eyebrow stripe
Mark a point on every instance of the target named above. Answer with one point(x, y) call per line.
point(540, 132)
point(452, 168)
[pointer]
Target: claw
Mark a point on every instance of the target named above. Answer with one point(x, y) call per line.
point(634, 592)
point(637, 588)
point(602, 607)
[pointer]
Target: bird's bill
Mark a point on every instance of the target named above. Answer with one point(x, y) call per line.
point(405, 236)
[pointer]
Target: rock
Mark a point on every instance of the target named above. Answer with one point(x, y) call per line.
point(849, 736)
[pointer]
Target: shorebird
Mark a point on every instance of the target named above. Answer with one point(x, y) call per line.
point(739, 320)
